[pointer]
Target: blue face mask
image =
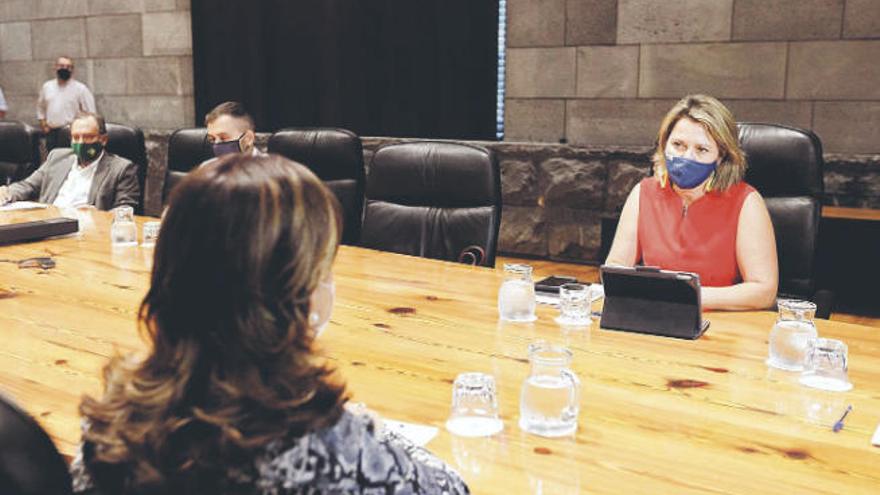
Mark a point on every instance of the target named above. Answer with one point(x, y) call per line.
point(688, 174)
point(226, 147)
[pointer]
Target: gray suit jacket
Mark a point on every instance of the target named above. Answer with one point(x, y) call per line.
point(115, 182)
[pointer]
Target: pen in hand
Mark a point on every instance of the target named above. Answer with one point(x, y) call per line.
point(839, 424)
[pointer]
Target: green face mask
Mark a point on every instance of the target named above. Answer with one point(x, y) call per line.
point(86, 152)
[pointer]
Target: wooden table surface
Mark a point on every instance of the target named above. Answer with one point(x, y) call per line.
point(657, 415)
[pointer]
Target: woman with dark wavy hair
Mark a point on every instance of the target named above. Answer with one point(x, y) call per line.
point(231, 397)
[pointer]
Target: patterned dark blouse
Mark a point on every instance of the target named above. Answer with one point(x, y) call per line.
point(347, 458)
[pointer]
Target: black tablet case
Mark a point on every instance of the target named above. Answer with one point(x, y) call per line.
point(653, 301)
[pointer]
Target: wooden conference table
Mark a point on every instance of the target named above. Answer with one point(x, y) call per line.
point(657, 415)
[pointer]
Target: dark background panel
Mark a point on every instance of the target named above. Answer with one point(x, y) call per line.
point(410, 68)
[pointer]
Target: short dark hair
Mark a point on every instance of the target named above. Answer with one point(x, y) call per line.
point(99, 119)
point(232, 109)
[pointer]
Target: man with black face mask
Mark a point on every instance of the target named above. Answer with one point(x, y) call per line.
point(61, 99)
point(84, 174)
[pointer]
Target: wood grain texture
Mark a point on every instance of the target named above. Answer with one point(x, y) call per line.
point(657, 415)
point(850, 213)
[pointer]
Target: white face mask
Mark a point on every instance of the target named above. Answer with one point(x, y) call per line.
point(321, 306)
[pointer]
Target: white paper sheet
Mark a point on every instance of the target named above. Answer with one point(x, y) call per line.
point(22, 205)
point(417, 434)
point(876, 439)
point(596, 291)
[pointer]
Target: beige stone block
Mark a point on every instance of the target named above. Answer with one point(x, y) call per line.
point(186, 75)
point(154, 76)
point(167, 33)
point(114, 36)
point(54, 38)
point(591, 22)
point(787, 19)
point(546, 72)
point(608, 71)
point(661, 21)
point(848, 127)
point(161, 5)
point(184, 4)
point(54, 9)
point(862, 19)
point(22, 108)
point(15, 41)
point(146, 112)
point(23, 78)
point(834, 70)
point(534, 120)
point(109, 76)
point(100, 7)
point(740, 70)
point(189, 111)
point(614, 122)
point(17, 10)
point(793, 113)
point(535, 23)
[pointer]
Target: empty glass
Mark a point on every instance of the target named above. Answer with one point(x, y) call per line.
point(474, 406)
point(574, 305)
point(548, 405)
point(151, 233)
point(825, 366)
point(123, 230)
point(791, 335)
point(516, 297)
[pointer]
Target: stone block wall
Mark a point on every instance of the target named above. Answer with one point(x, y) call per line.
point(604, 72)
point(135, 56)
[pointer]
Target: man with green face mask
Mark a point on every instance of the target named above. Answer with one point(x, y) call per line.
point(84, 174)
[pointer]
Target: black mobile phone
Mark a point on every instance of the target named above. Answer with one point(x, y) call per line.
point(551, 284)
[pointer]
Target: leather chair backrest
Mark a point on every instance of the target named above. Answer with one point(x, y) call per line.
point(433, 199)
point(124, 141)
point(29, 462)
point(336, 156)
point(19, 151)
point(785, 165)
point(187, 148)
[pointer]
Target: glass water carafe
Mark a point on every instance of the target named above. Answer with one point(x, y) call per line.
point(549, 402)
point(516, 297)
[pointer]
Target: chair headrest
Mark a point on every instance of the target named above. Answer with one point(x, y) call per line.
point(187, 148)
point(16, 144)
point(782, 160)
point(434, 174)
point(333, 154)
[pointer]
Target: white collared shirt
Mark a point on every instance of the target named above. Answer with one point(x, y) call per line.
point(75, 189)
point(59, 104)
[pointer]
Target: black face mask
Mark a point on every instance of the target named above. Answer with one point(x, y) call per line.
point(63, 74)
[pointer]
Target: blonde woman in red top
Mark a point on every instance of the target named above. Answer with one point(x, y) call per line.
point(697, 214)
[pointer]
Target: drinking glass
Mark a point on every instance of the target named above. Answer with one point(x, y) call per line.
point(474, 406)
point(548, 404)
point(791, 335)
point(825, 366)
point(574, 305)
point(151, 233)
point(516, 297)
point(123, 230)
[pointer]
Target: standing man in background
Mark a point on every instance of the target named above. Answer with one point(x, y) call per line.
point(3, 107)
point(62, 99)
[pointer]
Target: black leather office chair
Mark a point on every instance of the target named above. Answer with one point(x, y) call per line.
point(785, 165)
point(19, 151)
point(336, 156)
point(29, 463)
point(435, 200)
point(187, 148)
point(124, 141)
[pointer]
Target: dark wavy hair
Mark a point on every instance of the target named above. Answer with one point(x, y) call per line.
point(243, 245)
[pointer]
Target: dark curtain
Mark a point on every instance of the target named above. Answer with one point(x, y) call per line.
point(415, 68)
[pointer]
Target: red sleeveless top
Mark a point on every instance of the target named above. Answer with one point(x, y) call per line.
point(699, 239)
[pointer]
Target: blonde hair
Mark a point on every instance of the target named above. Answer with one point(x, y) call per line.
point(721, 126)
